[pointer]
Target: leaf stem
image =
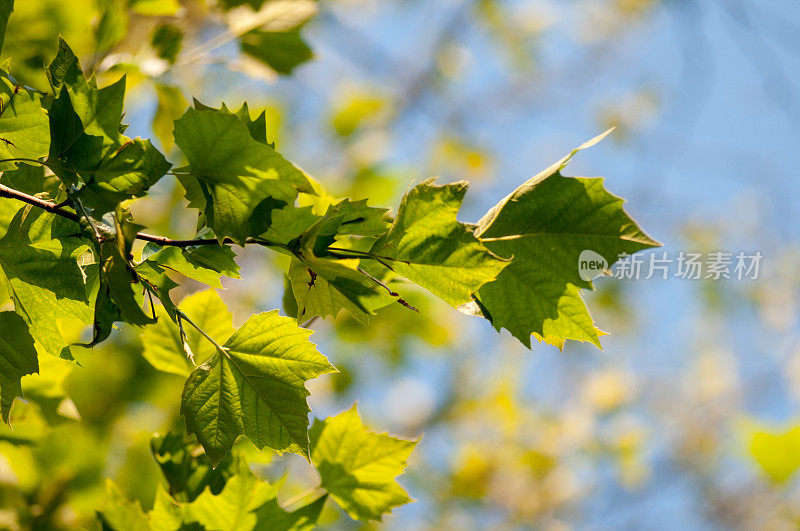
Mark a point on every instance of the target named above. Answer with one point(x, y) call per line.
point(183, 317)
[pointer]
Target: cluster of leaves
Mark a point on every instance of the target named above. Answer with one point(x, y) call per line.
point(69, 174)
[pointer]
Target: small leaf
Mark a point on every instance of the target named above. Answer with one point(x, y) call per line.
point(358, 467)
point(777, 453)
point(255, 387)
point(234, 508)
point(280, 50)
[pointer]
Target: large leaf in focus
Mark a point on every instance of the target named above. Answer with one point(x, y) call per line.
point(163, 346)
point(243, 179)
point(358, 467)
point(255, 387)
point(39, 255)
point(429, 246)
point(24, 125)
point(17, 358)
point(543, 226)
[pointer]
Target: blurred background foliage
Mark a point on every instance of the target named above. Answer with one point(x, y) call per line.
point(689, 416)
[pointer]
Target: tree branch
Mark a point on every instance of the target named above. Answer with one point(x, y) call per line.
point(53, 208)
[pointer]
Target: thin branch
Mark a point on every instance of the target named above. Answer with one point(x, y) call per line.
point(54, 208)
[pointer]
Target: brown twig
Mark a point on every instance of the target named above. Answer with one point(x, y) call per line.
point(53, 208)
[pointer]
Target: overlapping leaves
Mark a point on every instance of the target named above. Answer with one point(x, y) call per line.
point(517, 267)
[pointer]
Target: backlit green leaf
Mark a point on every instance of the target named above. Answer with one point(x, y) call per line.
point(255, 387)
point(24, 125)
point(543, 227)
point(39, 256)
point(163, 346)
point(429, 246)
point(358, 467)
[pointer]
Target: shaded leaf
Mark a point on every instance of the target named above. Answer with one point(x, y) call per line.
point(280, 50)
point(17, 358)
point(241, 178)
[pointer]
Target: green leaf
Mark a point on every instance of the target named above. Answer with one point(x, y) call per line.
point(119, 296)
point(289, 223)
point(255, 387)
point(120, 514)
point(234, 508)
point(128, 172)
point(187, 470)
point(39, 256)
point(166, 41)
point(204, 263)
point(17, 358)
point(242, 179)
point(359, 219)
point(543, 226)
point(28, 179)
point(166, 515)
point(24, 125)
point(87, 144)
point(271, 516)
point(429, 246)
point(112, 27)
point(6, 7)
point(163, 346)
point(280, 50)
point(358, 467)
point(323, 287)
